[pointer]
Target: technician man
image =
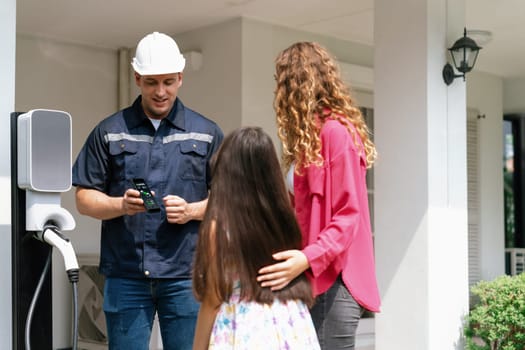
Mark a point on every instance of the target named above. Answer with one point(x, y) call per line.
point(146, 256)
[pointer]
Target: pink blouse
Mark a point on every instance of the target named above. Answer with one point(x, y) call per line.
point(331, 205)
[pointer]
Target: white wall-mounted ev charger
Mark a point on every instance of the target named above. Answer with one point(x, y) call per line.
point(44, 167)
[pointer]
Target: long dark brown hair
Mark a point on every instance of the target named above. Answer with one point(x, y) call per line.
point(249, 217)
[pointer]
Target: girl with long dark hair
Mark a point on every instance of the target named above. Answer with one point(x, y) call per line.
point(249, 217)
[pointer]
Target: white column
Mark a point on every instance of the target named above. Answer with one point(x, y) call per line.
point(7, 105)
point(420, 177)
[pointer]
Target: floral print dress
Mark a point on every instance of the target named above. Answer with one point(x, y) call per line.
point(243, 325)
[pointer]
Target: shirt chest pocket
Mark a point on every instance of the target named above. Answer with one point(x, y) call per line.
point(193, 160)
point(317, 180)
point(124, 161)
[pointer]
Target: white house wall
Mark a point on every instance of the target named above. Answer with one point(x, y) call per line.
point(258, 55)
point(215, 89)
point(513, 93)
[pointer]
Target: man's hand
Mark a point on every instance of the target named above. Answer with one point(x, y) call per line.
point(100, 206)
point(132, 203)
point(178, 211)
point(277, 276)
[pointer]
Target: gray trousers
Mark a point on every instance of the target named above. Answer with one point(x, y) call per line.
point(335, 316)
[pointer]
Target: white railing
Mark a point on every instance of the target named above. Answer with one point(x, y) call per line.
point(516, 257)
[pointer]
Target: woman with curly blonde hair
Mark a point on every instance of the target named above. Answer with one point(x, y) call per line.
point(326, 151)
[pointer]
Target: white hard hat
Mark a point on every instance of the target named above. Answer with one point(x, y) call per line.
point(158, 53)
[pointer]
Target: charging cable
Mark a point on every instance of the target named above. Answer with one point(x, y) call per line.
point(52, 236)
point(35, 297)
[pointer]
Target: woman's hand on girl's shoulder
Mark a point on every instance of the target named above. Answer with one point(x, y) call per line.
point(277, 276)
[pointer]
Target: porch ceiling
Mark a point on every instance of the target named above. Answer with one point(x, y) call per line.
point(117, 23)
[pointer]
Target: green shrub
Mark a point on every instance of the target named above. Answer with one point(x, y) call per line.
point(497, 321)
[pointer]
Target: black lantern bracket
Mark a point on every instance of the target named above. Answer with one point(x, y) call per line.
point(464, 54)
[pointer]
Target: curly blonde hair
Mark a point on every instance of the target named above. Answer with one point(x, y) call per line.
point(309, 91)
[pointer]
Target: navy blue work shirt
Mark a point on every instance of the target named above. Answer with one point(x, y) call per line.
point(174, 159)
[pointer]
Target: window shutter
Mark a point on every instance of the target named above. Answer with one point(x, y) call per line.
point(473, 196)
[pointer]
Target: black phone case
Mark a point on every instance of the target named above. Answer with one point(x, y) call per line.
point(150, 203)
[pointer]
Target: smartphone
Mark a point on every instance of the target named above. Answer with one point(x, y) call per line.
point(150, 203)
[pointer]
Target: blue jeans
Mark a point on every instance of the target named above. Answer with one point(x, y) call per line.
point(130, 306)
point(335, 315)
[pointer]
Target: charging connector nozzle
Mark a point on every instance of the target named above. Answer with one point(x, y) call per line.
point(52, 236)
